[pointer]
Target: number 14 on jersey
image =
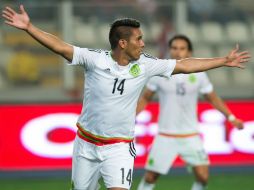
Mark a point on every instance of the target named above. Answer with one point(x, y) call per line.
point(119, 86)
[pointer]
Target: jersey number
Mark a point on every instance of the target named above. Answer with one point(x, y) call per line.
point(128, 177)
point(118, 86)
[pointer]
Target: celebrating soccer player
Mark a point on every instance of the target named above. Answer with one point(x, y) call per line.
point(113, 82)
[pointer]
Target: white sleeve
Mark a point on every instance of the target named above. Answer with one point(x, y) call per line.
point(84, 57)
point(205, 86)
point(158, 67)
point(152, 84)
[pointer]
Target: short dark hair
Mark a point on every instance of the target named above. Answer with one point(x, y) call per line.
point(121, 29)
point(181, 37)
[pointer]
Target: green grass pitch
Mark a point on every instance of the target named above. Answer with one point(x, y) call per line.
point(232, 181)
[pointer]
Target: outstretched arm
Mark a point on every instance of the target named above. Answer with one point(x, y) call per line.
point(144, 99)
point(219, 104)
point(193, 65)
point(22, 21)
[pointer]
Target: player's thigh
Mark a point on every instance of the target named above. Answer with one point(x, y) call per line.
point(117, 168)
point(85, 168)
point(85, 175)
point(192, 151)
point(162, 155)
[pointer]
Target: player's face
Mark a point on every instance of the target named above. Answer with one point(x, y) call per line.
point(179, 49)
point(135, 44)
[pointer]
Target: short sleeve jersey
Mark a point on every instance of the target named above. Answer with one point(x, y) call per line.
point(178, 101)
point(111, 91)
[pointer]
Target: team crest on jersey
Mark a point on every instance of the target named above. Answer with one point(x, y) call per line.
point(135, 70)
point(192, 78)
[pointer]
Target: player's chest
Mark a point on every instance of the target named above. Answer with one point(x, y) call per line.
point(181, 85)
point(109, 82)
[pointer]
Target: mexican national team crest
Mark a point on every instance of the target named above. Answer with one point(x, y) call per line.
point(135, 70)
point(192, 78)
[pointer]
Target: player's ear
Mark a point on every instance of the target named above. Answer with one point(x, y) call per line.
point(122, 43)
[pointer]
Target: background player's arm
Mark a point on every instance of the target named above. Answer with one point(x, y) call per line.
point(144, 99)
point(22, 21)
point(233, 59)
point(219, 104)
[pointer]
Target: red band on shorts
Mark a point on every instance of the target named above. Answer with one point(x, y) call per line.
point(99, 140)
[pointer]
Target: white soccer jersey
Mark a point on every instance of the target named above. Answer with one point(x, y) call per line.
point(178, 101)
point(112, 91)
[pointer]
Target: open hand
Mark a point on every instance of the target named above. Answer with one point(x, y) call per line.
point(236, 58)
point(19, 20)
point(237, 123)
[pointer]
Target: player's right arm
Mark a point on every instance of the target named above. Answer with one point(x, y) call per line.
point(144, 99)
point(22, 21)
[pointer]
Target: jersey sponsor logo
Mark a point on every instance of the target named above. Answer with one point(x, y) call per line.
point(135, 70)
point(34, 135)
point(42, 141)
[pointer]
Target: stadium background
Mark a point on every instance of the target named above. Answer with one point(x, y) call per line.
point(34, 82)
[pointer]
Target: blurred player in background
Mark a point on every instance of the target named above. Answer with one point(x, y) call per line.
point(178, 125)
point(113, 82)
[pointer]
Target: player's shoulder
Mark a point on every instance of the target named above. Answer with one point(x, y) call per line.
point(145, 57)
point(99, 51)
point(199, 74)
point(158, 80)
point(202, 74)
point(199, 77)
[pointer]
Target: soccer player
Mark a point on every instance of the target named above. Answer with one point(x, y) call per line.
point(113, 82)
point(178, 126)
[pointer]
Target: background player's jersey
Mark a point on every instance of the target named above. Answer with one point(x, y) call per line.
point(178, 101)
point(112, 91)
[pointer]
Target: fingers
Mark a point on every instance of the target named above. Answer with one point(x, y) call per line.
point(244, 60)
point(6, 13)
point(243, 52)
point(22, 9)
point(9, 23)
point(8, 18)
point(244, 55)
point(235, 49)
point(10, 10)
point(240, 66)
point(240, 125)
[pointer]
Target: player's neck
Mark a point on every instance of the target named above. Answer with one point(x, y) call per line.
point(120, 57)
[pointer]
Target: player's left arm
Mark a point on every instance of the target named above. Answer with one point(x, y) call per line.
point(193, 65)
point(220, 105)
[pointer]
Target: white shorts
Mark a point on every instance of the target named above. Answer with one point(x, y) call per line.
point(114, 163)
point(165, 150)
